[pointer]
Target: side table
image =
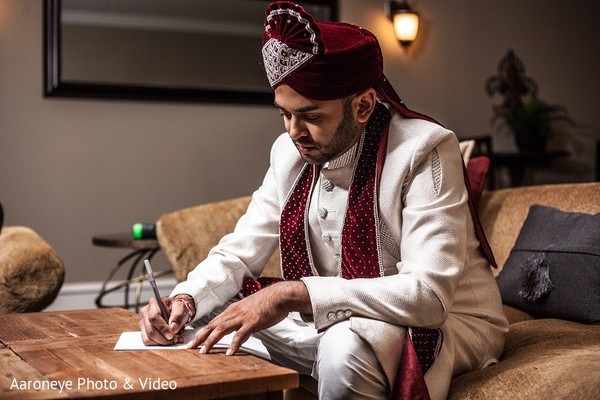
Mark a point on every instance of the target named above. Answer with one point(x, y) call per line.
point(141, 250)
point(518, 162)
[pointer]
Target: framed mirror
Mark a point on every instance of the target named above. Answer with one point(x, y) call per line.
point(177, 50)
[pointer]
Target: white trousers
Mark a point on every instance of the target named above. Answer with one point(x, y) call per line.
point(343, 363)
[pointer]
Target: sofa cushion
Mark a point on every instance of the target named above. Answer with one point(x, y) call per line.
point(477, 169)
point(553, 270)
point(514, 315)
point(466, 148)
point(542, 359)
point(502, 212)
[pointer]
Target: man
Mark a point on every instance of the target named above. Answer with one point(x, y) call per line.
point(383, 259)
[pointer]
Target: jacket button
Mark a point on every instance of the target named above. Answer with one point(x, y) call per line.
point(326, 237)
point(340, 315)
point(331, 316)
point(322, 212)
point(328, 185)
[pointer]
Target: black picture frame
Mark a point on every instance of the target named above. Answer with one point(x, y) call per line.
point(56, 86)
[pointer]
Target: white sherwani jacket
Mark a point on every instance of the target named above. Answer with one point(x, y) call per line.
point(435, 273)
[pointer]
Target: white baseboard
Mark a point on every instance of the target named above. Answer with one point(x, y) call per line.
point(82, 295)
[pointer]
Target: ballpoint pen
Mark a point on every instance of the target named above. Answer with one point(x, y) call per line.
point(150, 274)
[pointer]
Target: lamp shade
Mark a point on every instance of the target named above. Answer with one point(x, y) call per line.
point(406, 25)
point(405, 21)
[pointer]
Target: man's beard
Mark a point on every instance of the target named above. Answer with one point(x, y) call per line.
point(343, 138)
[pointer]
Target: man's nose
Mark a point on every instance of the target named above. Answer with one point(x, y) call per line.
point(296, 128)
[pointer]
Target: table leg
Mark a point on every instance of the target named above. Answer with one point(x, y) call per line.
point(139, 255)
point(139, 260)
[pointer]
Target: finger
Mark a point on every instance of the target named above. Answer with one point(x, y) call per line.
point(178, 317)
point(199, 339)
point(156, 317)
point(146, 328)
point(145, 339)
point(178, 338)
point(210, 335)
point(155, 326)
point(238, 340)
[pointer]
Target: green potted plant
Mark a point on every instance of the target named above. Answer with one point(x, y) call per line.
point(530, 119)
point(532, 122)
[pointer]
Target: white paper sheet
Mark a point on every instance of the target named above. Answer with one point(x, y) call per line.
point(133, 341)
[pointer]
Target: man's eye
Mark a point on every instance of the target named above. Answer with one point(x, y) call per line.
point(285, 115)
point(311, 117)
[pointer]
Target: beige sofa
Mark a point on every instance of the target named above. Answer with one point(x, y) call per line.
point(542, 358)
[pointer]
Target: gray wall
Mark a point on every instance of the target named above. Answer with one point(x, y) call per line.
point(71, 168)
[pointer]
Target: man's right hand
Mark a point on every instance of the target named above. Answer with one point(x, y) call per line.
point(158, 332)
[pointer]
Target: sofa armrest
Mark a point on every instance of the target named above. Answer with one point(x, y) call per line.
point(186, 236)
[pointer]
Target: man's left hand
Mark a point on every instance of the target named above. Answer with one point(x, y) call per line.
point(258, 311)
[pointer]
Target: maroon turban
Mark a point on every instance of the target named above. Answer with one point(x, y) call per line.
point(324, 60)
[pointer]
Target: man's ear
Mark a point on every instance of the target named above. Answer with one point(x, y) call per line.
point(366, 104)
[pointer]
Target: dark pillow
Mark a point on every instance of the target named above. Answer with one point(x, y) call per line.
point(553, 270)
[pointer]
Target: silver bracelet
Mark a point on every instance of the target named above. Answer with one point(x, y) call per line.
point(188, 306)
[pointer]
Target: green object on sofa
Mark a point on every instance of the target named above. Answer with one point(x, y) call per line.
point(31, 272)
point(542, 358)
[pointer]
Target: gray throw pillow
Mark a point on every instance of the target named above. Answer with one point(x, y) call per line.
point(553, 270)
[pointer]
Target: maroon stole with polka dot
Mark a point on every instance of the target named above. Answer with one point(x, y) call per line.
point(360, 252)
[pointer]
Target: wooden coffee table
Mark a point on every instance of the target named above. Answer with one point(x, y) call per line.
point(69, 354)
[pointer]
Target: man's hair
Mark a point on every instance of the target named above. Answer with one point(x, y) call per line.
point(347, 100)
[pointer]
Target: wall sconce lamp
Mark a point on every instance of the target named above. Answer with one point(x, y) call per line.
point(405, 20)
